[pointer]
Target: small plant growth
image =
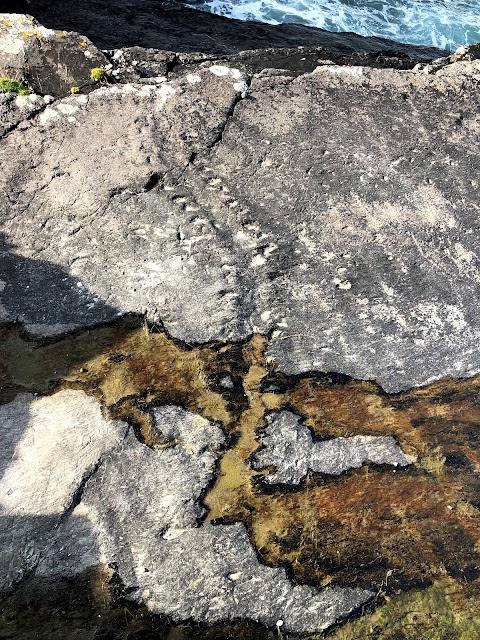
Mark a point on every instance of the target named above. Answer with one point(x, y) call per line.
point(8, 85)
point(98, 74)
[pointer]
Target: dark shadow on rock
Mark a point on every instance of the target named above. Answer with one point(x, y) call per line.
point(42, 294)
point(169, 26)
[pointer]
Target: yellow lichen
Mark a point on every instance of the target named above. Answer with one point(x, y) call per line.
point(98, 74)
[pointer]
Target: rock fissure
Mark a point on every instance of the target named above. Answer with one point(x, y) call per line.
point(240, 95)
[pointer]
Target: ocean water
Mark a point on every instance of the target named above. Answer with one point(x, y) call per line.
point(447, 24)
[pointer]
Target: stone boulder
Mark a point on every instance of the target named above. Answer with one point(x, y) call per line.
point(50, 61)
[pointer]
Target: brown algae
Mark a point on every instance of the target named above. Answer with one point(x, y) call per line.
point(410, 534)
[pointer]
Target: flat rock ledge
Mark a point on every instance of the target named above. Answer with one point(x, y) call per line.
point(140, 510)
point(288, 446)
point(335, 212)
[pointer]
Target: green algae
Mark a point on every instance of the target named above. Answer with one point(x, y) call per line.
point(7, 85)
point(447, 610)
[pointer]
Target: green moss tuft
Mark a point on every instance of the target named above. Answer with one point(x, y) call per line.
point(8, 85)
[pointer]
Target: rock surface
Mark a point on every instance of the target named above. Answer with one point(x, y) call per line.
point(220, 211)
point(15, 109)
point(288, 445)
point(146, 506)
point(49, 448)
point(51, 61)
point(280, 214)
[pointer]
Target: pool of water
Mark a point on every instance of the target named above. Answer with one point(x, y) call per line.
point(446, 24)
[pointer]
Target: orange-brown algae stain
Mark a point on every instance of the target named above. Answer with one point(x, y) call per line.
point(442, 415)
point(437, 424)
point(126, 365)
point(379, 527)
point(363, 526)
point(233, 483)
point(375, 526)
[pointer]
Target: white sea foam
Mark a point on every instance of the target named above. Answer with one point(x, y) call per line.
point(446, 24)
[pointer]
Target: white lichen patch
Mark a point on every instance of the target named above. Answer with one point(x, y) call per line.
point(23, 102)
point(66, 108)
point(47, 115)
point(342, 284)
point(193, 78)
point(17, 29)
point(219, 70)
point(161, 93)
point(341, 70)
point(258, 261)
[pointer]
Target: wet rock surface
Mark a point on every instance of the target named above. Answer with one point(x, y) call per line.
point(191, 489)
point(146, 505)
point(188, 245)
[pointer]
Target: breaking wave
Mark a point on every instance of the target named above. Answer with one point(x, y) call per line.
point(446, 24)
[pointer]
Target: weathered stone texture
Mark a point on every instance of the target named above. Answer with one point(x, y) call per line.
point(218, 215)
point(50, 61)
point(288, 445)
point(145, 505)
point(49, 447)
point(14, 109)
point(333, 209)
point(115, 230)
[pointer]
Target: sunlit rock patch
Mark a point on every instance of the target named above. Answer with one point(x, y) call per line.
point(288, 446)
point(50, 446)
